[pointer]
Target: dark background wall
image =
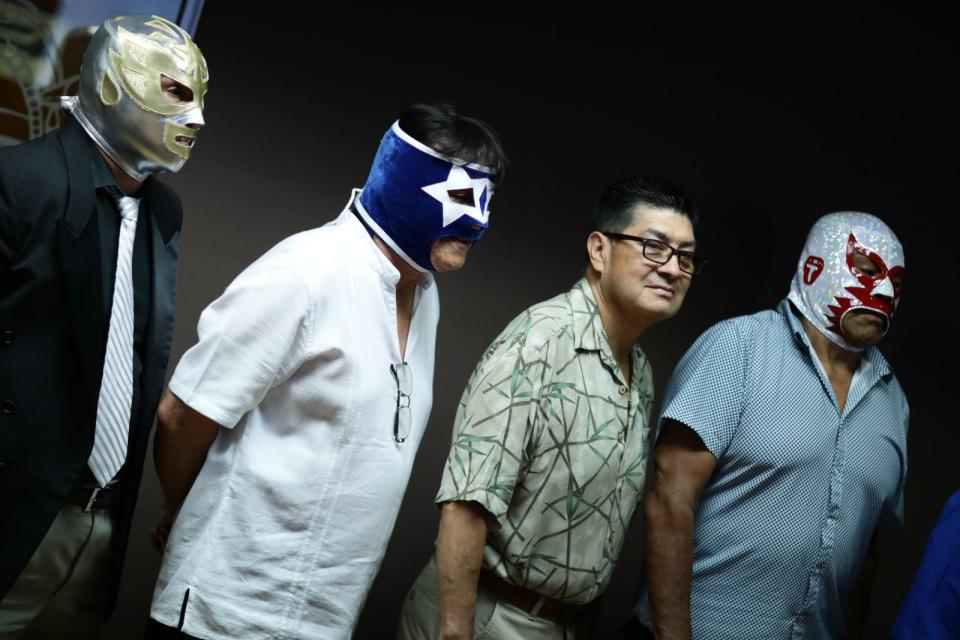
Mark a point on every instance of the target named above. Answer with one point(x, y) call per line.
point(771, 115)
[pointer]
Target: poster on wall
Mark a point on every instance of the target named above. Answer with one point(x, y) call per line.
point(41, 47)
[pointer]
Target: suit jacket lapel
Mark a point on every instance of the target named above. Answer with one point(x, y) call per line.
point(78, 243)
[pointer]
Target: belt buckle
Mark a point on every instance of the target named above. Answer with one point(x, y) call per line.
point(93, 498)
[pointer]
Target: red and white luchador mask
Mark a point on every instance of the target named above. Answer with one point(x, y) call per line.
point(851, 261)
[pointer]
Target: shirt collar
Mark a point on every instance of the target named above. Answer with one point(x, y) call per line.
point(374, 256)
point(874, 360)
point(589, 334)
point(102, 176)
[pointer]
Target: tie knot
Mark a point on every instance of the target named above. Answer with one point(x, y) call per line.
point(129, 207)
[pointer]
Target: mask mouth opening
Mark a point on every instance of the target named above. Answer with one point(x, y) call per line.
point(459, 239)
point(873, 313)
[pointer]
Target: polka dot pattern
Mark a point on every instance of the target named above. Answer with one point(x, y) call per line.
point(799, 488)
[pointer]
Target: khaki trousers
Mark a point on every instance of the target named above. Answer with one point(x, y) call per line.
point(494, 620)
point(66, 589)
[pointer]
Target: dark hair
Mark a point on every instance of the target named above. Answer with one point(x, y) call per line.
point(441, 128)
point(617, 206)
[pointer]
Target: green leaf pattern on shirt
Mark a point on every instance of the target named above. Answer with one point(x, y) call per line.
point(549, 439)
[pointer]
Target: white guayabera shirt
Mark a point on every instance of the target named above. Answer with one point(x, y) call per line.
point(286, 525)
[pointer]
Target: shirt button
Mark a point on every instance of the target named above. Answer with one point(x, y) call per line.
point(623, 389)
point(620, 483)
point(8, 407)
point(7, 336)
point(621, 436)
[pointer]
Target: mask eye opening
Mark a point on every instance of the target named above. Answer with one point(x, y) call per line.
point(462, 196)
point(175, 91)
point(867, 265)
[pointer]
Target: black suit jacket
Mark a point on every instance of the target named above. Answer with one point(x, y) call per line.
point(52, 336)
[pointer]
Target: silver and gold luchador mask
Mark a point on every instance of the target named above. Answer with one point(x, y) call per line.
point(122, 104)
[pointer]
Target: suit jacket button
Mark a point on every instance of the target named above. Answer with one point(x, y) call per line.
point(7, 336)
point(8, 407)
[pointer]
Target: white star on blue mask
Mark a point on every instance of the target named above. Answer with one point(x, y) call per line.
point(461, 195)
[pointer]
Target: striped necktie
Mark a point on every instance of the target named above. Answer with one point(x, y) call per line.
point(116, 387)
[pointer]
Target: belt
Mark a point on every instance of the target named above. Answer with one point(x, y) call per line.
point(93, 497)
point(528, 600)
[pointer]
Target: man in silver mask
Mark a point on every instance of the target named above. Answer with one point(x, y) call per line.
point(88, 249)
point(133, 67)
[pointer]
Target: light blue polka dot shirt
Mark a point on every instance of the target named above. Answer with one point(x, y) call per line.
point(786, 519)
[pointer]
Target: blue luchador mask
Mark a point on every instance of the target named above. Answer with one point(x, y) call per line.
point(415, 195)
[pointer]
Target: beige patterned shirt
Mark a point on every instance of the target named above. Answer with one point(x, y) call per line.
point(554, 444)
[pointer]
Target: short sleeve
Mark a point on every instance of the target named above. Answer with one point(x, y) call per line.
point(706, 391)
point(495, 424)
point(250, 339)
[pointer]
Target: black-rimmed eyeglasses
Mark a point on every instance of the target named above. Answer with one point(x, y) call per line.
point(661, 253)
point(401, 420)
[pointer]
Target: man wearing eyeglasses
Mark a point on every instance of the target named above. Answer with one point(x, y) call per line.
point(783, 449)
point(550, 444)
point(289, 431)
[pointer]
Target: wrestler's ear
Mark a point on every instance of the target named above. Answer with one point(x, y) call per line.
point(598, 251)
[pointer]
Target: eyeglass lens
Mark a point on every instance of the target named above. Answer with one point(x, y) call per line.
point(660, 252)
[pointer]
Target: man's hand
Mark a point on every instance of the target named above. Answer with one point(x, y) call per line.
point(160, 533)
point(463, 531)
point(683, 466)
